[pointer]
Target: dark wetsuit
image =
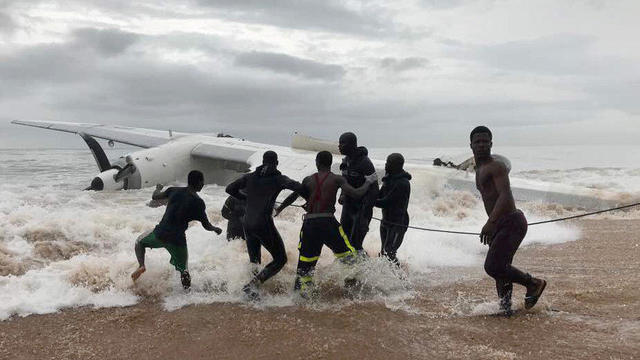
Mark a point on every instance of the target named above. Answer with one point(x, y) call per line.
point(394, 200)
point(233, 211)
point(356, 214)
point(510, 230)
point(319, 227)
point(183, 206)
point(262, 188)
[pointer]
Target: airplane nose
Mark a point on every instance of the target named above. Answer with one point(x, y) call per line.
point(96, 184)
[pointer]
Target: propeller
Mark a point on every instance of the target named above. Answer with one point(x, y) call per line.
point(96, 150)
point(109, 174)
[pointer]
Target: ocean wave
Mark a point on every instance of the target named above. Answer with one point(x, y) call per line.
point(62, 247)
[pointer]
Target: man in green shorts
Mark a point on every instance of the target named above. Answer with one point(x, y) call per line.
point(184, 205)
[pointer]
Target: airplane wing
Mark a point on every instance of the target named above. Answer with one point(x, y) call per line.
point(232, 158)
point(145, 138)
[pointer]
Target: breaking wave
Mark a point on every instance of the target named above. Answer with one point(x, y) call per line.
point(63, 247)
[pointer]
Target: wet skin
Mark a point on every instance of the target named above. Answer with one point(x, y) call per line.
point(492, 180)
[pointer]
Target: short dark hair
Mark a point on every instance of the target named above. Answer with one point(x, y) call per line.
point(269, 157)
point(195, 177)
point(324, 158)
point(480, 130)
point(349, 137)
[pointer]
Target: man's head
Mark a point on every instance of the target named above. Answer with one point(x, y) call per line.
point(195, 180)
point(324, 160)
point(348, 143)
point(481, 142)
point(394, 163)
point(270, 158)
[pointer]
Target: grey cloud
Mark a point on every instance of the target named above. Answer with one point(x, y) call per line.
point(7, 24)
point(286, 64)
point(329, 15)
point(29, 68)
point(405, 64)
point(108, 42)
point(444, 4)
point(44, 64)
point(607, 81)
point(556, 55)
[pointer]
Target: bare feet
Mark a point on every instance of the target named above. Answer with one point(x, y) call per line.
point(136, 274)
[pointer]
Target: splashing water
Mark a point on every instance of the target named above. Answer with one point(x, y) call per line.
point(63, 247)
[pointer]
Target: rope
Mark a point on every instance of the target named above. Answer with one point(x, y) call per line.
point(587, 214)
point(530, 224)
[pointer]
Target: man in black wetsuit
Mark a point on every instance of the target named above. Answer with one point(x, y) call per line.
point(184, 205)
point(506, 227)
point(356, 214)
point(320, 227)
point(262, 188)
point(233, 211)
point(394, 200)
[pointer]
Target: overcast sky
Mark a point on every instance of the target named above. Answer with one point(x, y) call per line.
point(398, 73)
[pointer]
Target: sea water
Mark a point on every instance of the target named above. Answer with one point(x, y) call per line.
point(63, 247)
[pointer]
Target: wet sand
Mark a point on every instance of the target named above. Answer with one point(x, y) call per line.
point(590, 310)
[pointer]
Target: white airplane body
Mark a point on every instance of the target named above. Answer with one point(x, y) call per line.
point(168, 157)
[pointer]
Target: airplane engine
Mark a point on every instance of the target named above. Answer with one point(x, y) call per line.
point(161, 165)
point(106, 181)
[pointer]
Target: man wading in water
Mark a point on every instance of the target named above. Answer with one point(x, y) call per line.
point(261, 188)
point(506, 226)
point(184, 205)
point(320, 227)
point(356, 213)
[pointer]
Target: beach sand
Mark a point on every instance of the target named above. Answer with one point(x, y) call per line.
point(590, 310)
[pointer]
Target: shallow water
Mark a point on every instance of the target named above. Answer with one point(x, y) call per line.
point(61, 246)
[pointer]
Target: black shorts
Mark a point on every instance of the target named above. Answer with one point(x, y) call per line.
point(321, 231)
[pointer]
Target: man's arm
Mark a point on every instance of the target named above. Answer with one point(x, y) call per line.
point(371, 194)
point(233, 189)
point(359, 192)
point(394, 195)
point(288, 201)
point(204, 220)
point(287, 183)
point(227, 208)
point(302, 190)
point(158, 194)
point(504, 203)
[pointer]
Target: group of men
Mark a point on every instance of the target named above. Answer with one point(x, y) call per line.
point(253, 198)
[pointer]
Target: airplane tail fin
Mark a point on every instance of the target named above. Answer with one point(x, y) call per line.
point(304, 142)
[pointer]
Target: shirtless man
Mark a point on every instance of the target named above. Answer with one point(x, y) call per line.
point(506, 227)
point(320, 226)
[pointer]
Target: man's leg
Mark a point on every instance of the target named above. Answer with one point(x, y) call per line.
point(336, 239)
point(360, 227)
point(310, 248)
point(339, 243)
point(384, 229)
point(146, 239)
point(497, 264)
point(253, 237)
point(274, 245)
point(179, 259)
point(346, 220)
point(395, 236)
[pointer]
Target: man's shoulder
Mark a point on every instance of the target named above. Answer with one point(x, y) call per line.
point(197, 200)
point(492, 168)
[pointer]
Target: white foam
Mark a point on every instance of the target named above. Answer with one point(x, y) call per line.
point(78, 246)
